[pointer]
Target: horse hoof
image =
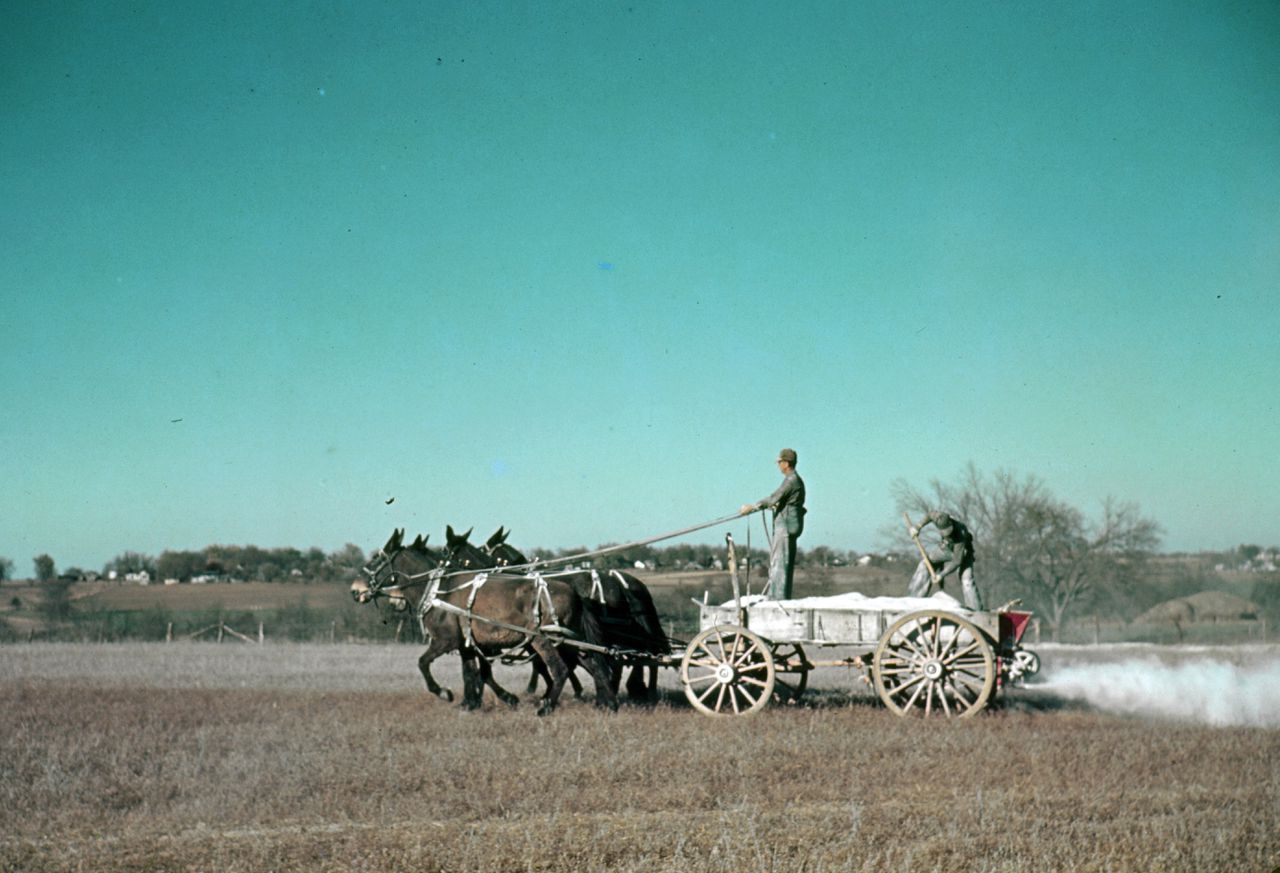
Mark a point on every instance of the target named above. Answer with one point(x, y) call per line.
point(446, 695)
point(545, 709)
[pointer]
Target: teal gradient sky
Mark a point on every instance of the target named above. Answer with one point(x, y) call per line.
point(581, 269)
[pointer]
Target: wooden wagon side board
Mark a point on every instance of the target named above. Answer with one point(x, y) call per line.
point(809, 623)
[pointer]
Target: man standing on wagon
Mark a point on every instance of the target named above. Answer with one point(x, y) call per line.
point(788, 523)
point(954, 555)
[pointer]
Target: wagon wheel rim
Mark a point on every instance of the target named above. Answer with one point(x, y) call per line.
point(791, 672)
point(934, 663)
point(727, 670)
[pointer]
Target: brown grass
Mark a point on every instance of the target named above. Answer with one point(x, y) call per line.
point(243, 596)
point(310, 757)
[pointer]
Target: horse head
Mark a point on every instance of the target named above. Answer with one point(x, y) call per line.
point(461, 553)
point(503, 554)
point(382, 571)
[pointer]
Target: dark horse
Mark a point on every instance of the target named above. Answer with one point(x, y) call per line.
point(628, 616)
point(482, 615)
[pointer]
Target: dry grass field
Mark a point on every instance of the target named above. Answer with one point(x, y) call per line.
point(332, 757)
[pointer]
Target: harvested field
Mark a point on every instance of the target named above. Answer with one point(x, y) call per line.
point(332, 757)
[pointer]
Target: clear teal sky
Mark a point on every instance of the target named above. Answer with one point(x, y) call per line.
point(582, 269)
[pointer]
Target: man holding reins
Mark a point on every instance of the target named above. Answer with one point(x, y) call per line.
point(788, 523)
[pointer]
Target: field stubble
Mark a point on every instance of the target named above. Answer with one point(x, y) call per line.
point(315, 757)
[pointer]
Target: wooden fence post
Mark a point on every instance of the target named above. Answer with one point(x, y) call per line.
point(168, 634)
point(260, 635)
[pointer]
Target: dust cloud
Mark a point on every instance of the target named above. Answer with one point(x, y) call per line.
point(1209, 691)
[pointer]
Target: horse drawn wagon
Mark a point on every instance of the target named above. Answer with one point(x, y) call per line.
point(923, 655)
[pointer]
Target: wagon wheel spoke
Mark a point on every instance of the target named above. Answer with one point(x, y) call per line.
point(747, 695)
point(910, 644)
point(898, 689)
point(959, 694)
point(937, 636)
point(972, 647)
point(745, 657)
point(914, 697)
point(711, 665)
point(977, 671)
point(947, 649)
point(942, 698)
point(704, 695)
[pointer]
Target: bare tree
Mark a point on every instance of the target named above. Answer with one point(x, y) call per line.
point(1033, 546)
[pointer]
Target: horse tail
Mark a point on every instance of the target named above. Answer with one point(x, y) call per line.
point(644, 613)
point(592, 629)
point(604, 668)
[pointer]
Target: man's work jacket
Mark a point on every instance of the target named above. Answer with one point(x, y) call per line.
point(788, 504)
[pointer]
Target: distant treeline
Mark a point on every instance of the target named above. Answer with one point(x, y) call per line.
point(223, 563)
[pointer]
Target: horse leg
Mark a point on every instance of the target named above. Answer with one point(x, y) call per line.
point(604, 672)
point(486, 676)
point(472, 682)
point(637, 689)
point(424, 665)
point(571, 661)
point(539, 670)
point(556, 667)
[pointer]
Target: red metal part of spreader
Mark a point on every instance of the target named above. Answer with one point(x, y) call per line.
point(1013, 625)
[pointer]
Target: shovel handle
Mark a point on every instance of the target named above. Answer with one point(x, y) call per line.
point(915, 538)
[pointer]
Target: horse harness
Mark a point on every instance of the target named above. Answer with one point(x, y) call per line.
point(542, 595)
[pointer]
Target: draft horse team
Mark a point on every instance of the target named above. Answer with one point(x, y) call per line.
point(473, 600)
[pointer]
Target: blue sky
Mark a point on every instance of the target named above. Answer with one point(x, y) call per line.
point(582, 269)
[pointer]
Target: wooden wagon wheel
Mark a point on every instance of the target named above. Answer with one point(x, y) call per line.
point(727, 670)
point(934, 663)
point(791, 672)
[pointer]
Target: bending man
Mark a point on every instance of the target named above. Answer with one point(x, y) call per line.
point(954, 555)
point(788, 523)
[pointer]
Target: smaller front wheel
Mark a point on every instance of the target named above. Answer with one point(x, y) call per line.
point(727, 670)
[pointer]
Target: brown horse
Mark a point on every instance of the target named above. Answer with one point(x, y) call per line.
point(481, 616)
point(628, 617)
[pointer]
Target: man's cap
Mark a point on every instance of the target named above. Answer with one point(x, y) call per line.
point(788, 455)
point(942, 520)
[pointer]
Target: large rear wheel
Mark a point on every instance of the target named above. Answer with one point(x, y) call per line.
point(727, 670)
point(934, 663)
